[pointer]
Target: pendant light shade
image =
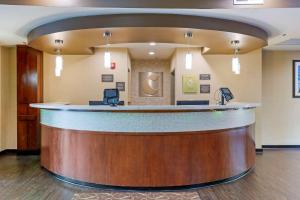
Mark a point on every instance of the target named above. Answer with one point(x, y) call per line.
point(59, 62)
point(188, 57)
point(107, 54)
point(236, 66)
point(107, 59)
point(58, 65)
point(57, 72)
point(188, 61)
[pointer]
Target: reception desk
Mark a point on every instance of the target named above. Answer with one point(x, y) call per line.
point(147, 146)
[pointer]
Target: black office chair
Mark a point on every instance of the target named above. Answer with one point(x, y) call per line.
point(110, 97)
point(101, 103)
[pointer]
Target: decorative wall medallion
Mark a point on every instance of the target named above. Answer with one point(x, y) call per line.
point(189, 84)
point(107, 78)
point(150, 84)
point(205, 77)
point(205, 89)
point(120, 86)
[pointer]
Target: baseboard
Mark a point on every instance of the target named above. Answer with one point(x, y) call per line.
point(28, 152)
point(281, 146)
point(8, 152)
point(259, 151)
point(19, 152)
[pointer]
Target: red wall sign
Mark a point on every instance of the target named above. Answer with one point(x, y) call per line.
point(113, 65)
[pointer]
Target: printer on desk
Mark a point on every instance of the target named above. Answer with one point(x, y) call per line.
point(110, 97)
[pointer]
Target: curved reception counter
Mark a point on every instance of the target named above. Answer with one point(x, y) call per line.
point(147, 146)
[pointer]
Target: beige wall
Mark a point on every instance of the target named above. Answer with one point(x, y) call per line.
point(150, 66)
point(83, 73)
point(8, 96)
point(246, 87)
point(280, 112)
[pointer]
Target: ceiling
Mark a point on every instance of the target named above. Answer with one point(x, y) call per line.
point(140, 51)
point(20, 20)
point(203, 4)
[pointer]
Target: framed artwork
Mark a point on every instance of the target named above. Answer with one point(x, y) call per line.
point(107, 78)
point(120, 86)
point(205, 89)
point(150, 84)
point(296, 78)
point(189, 84)
point(205, 77)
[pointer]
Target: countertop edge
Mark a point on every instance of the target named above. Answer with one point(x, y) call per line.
point(144, 109)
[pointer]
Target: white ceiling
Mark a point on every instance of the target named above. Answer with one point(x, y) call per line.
point(163, 51)
point(17, 21)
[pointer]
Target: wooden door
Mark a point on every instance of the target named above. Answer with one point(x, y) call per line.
point(29, 90)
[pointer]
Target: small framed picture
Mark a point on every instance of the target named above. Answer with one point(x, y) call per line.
point(120, 86)
point(107, 78)
point(190, 84)
point(205, 77)
point(296, 78)
point(205, 89)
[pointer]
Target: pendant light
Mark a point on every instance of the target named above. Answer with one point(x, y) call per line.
point(236, 66)
point(58, 58)
point(188, 55)
point(107, 55)
point(188, 60)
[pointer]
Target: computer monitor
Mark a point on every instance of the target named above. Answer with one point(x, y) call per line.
point(226, 94)
point(111, 96)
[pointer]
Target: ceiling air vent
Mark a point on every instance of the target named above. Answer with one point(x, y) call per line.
point(248, 2)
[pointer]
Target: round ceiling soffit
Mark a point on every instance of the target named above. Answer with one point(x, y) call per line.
point(82, 34)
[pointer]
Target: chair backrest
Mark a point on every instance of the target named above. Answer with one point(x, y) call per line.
point(101, 103)
point(191, 102)
point(110, 94)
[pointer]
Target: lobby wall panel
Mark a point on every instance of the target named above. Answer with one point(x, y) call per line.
point(280, 111)
point(8, 93)
point(246, 87)
point(81, 77)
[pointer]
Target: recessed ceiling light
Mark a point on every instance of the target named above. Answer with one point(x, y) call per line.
point(151, 53)
point(152, 43)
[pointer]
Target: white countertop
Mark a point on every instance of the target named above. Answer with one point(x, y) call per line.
point(162, 108)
